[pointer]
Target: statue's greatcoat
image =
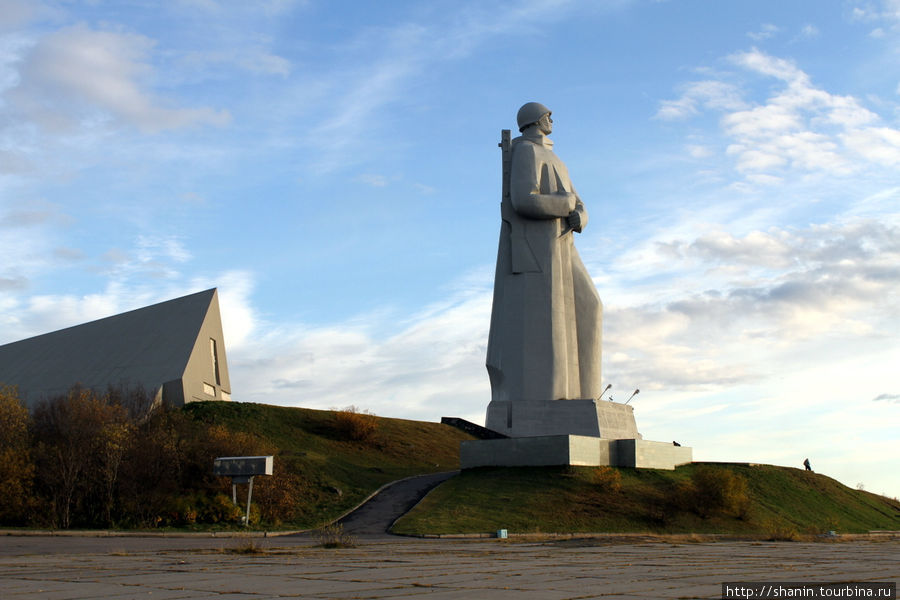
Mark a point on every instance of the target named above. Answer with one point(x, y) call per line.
point(546, 319)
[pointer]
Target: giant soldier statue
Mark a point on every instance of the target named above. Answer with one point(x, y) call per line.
point(543, 355)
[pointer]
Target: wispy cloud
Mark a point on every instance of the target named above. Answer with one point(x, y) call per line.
point(714, 95)
point(254, 59)
point(890, 398)
point(808, 32)
point(395, 56)
point(877, 10)
point(78, 75)
point(765, 32)
point(373, 179)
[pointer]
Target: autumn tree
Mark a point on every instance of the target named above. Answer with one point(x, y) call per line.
point(153, 466)
point(16, 466)
point(81, 440)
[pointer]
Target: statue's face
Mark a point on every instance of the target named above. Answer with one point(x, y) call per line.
point(546, 124)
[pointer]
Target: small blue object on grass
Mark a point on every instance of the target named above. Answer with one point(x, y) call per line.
point(502, 534)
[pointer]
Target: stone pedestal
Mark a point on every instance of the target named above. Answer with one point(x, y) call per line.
point(588, 417)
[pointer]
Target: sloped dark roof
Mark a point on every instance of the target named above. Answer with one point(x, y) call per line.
point(145, 347)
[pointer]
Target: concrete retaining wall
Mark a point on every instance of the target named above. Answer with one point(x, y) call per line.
point(575, 450)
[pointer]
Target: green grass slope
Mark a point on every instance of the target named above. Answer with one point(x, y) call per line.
point(338, 473)
point(780, 501)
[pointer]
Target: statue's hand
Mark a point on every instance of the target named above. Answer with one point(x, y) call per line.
point(575, 221)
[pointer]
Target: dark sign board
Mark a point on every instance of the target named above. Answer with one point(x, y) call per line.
point(242, 466)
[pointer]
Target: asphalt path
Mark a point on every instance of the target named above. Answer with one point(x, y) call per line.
point(376, 516)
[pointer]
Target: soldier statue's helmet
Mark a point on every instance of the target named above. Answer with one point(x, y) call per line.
point(531, 113)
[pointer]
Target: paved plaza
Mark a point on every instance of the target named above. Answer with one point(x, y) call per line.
point(59, 568)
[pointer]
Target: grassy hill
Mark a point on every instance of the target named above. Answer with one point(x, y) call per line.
point(338, 472)
point(778, 501)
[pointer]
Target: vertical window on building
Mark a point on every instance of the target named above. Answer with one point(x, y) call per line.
point(215, 359)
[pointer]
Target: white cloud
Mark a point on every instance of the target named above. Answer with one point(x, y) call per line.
point(12, 163)
point(150, 248)
point(809, 31)
point(714, 95)
point(16, 13)
point(765, 32)
point(738, 306)
point(887, 10)
point(892, 398)
point(892, 9)
point(78, 75)
point(373, 179)
point(33, 214)
point(768, 65)
point(761, 121)
point(769, 249)
point(205, 5)
point(799, 128)
point(239, 318)
point(274, 8)
point(271, 8)
point(26, 240)
point(763, 180)
point(738, 311)
point(13, 283)
point(877, 144)
point(698, 151)
point(432, 366)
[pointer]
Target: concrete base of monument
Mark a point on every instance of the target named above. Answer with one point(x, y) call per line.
point(576, 450)
point(587, 417)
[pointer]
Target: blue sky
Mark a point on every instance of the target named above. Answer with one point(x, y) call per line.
point(332, 167)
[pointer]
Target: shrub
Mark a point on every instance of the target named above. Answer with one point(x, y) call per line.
point(334, 536)
point(278, 496)
point(608, 479)
point(353, 424)
point(219, 509)
point(199, 507)
point(246, 546)
point(718, 490)
point(778, 531)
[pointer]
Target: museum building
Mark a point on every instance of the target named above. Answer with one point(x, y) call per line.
point(174, 350)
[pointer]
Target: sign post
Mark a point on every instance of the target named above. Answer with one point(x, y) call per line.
point(242, 469)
